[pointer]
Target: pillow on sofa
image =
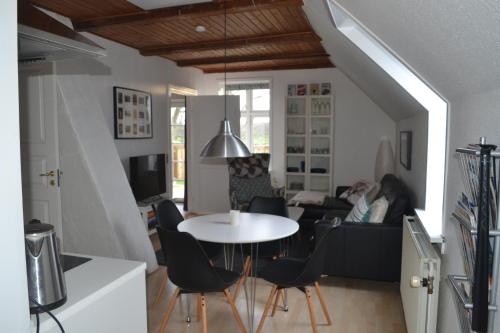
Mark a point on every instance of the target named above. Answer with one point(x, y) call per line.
point(359, 210)
point(308, 197)
point(354, 193)
point(377, 211)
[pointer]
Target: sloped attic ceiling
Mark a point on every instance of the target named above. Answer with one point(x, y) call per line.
point(454, 45)
point(372, 79)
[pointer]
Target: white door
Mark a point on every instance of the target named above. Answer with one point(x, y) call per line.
point(39, 144)
point(208, 181)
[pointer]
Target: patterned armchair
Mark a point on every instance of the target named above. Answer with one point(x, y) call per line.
point(249, 177)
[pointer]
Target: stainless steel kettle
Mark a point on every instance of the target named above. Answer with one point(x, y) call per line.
point(46, 284)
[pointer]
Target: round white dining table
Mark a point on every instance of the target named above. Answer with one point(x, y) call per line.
point(252, 229)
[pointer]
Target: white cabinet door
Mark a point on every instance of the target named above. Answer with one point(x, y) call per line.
point(208, 181)
point(39, 144)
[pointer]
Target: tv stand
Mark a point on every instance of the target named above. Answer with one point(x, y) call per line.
point(147, 208)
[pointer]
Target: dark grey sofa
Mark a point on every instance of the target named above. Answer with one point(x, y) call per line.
point(370, 250)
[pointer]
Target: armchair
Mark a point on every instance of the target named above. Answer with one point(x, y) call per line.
point(249, 177)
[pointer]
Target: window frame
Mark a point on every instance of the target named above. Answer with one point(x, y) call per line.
point(249, 113)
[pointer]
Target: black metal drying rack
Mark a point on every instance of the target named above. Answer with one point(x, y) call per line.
point(476, 313)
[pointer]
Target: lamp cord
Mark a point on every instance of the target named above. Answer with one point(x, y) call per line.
point(225, 60)
point(48, 312)
point(37, 322)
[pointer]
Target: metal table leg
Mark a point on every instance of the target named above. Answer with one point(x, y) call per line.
point(250, 295)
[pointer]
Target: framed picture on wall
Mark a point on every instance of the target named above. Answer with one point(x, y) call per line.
point(405, 149)
point(133, 114)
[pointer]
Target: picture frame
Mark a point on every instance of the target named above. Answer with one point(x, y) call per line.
point(405, 147)
point(133, 114)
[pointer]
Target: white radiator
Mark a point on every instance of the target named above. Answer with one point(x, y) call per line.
point(420, 265)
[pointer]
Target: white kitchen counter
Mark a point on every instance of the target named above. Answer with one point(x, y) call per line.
point(103, 295)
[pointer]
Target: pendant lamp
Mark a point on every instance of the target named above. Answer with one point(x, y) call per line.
point(225, 144)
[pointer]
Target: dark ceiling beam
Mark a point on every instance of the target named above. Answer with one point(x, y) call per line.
point(290, 37)
point(233, 59)
point(277, 67)
point(182, 12)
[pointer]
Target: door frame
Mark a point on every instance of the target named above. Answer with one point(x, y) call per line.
point(47, 72)
point(183, 91)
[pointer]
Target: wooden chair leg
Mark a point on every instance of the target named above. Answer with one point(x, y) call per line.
point(198, 307)
point(266, 309)
point(170, 308)
point(235, 311)
point(204, 327)
point(243, 277)
point(312, 315)
point(323, 304)
point(278, 294)
point(161, 289)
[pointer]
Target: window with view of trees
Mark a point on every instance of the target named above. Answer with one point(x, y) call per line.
point(255, 119)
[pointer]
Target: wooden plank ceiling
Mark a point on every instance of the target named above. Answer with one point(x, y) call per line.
point(261, 34)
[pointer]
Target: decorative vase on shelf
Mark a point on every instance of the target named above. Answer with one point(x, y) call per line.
point(384, 162)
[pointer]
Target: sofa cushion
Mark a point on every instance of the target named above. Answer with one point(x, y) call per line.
point(398, 197)
point(376, 211)
point(354, 193)
point(359, 210)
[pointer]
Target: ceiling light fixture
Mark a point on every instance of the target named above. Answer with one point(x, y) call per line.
point(225, 144)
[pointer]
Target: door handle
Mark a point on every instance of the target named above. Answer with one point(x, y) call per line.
point(48, 174)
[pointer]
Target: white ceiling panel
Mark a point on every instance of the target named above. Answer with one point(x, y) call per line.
point(154, 4)
point(454, 45)
point(372, 79)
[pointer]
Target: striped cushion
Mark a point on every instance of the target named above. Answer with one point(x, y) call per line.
point(359, 210)
point(377, 211)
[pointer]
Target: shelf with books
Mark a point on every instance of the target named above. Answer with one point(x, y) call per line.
point(309, 131)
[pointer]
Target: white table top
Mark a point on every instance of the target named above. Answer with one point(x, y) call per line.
point(88, 282)
point(253, 228)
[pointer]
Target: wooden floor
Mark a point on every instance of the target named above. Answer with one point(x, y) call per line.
point(356, 306)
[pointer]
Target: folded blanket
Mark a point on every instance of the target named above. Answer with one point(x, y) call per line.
point(308, 197)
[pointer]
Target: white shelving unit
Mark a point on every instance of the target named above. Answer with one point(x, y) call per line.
point(309, 144)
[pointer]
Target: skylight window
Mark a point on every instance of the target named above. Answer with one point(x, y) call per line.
point(437, 107)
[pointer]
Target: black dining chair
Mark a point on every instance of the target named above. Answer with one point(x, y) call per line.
point(263, 205)
point(272, 206)
point(169, 217)
point(192, 272)
point(286, 272)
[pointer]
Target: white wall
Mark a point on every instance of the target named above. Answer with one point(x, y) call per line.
point(359, 123)
point(416, 177)
point(471, 116)
point(105, 177)
point(83, 212)
point(125, 67)
point(14, 309)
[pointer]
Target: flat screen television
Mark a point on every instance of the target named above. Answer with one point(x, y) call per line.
point(147, 176)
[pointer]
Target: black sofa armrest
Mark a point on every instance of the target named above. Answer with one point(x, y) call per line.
point(341, 189)
point(365, 251)
point(331, 214)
